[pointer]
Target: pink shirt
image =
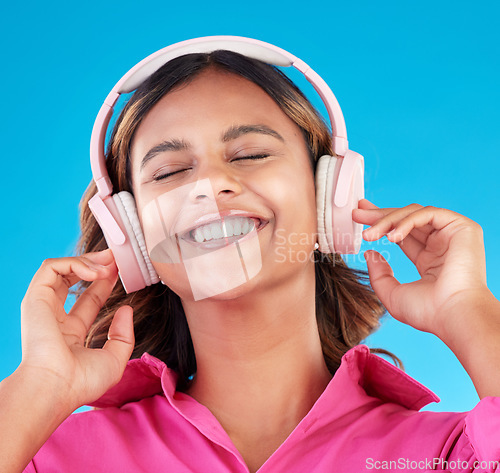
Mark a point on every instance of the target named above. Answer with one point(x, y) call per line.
point(366, 419)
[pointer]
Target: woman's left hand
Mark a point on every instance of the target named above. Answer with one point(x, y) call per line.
point(447, 250)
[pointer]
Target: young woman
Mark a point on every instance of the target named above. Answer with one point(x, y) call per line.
point(266, 375)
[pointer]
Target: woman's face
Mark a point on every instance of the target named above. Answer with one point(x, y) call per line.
point(220, 149)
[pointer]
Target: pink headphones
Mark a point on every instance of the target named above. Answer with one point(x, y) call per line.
point(339, 180)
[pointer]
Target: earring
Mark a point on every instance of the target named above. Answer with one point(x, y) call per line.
point(162, 282)
point(316, 245)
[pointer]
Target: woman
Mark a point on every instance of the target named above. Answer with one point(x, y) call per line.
point(250, 380)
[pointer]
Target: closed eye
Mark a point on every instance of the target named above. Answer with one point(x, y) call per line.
point(253, 156)
point(164, 176)
point(169, 174)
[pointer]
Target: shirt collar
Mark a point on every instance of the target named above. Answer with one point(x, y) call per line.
point(383, 380)
point(369, 375)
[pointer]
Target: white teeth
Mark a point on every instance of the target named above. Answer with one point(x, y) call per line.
point(217, 232)
point(236, 230)
point(234, 226)
point(228, 228)
point(245, 226)
point(207, 234)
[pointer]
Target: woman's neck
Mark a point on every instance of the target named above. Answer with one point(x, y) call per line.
point(260, 366)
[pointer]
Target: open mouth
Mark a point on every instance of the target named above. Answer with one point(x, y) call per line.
point(223, 232)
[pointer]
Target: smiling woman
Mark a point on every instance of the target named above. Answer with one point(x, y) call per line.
point(163, 129)
point(247, 357)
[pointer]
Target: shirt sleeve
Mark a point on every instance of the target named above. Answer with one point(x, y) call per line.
point(478, 447)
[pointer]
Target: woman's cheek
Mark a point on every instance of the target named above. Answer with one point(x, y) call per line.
point(296, 221)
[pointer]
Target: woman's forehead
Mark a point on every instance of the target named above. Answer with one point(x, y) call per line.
point(213, 100)
point(213, 89)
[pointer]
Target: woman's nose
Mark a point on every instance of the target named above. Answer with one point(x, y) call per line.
point(215, 183)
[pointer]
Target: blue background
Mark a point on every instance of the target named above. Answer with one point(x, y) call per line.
point(417, 82)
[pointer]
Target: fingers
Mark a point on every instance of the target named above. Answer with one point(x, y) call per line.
point(90, 302)
point(394, 223)
point(121, 338)
point(409, 227)
point(63, 273)
point(365, 204)
point(411, 247)
point(398, 224)
point(383, 221)
point(368, 213)
point(103, 257)
point(383, 218)
point(381, 278)
point(55, 276)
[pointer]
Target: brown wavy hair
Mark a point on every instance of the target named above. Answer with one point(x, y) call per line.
point(347, 309)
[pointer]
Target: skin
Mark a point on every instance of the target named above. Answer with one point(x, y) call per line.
point(258, 344)
point(451, 299)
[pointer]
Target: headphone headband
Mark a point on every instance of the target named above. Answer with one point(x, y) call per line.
point(253, 48)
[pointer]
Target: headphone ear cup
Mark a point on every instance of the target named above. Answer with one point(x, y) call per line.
point(125, 204)
point(339, 188)
point(324, 168)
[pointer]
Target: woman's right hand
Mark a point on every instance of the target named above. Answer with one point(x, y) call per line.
point(53, 340)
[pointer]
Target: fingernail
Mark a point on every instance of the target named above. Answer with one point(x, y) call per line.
point(95, 266)
point(392, 234)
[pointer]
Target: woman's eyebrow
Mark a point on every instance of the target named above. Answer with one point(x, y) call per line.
point(236, 131)
point(230, 134)
point(167, 145)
